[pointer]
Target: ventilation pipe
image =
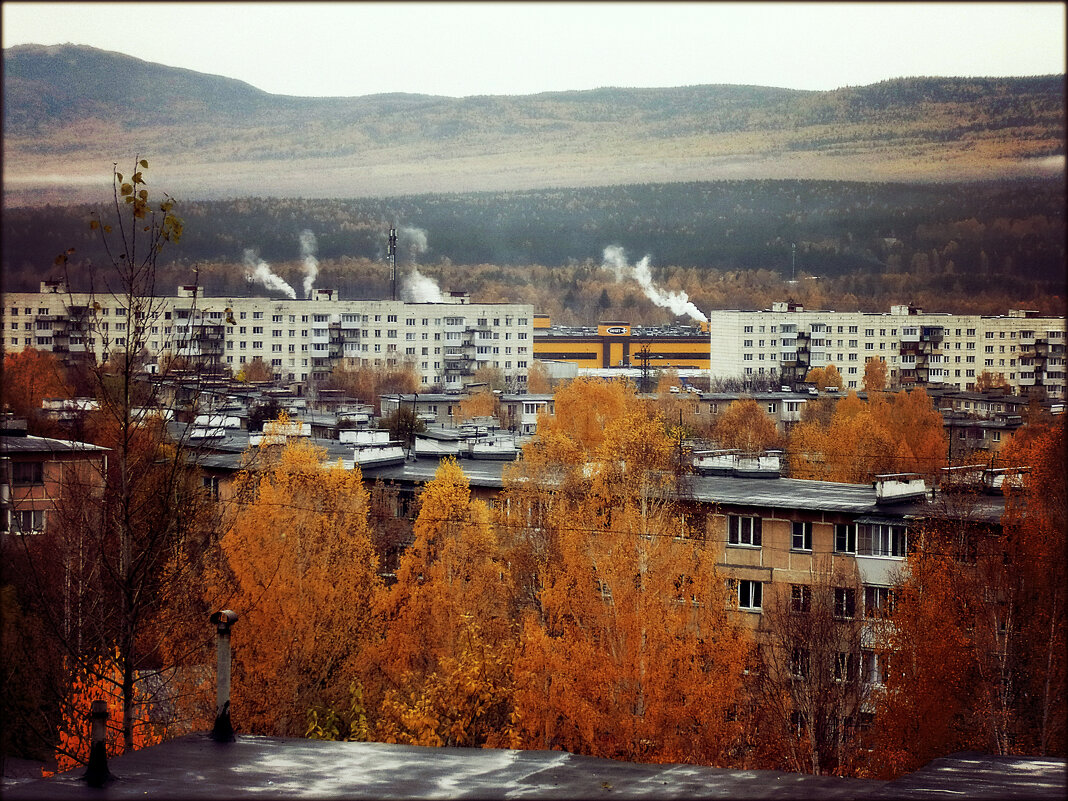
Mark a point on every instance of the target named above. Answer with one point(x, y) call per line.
point(97, 773)
point(223, 731)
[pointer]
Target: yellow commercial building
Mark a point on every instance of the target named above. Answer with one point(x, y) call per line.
point(619, 344)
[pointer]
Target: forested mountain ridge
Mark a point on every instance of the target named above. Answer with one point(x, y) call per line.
point(73, 109)
point(962, 247)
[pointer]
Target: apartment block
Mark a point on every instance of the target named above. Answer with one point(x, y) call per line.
point(301, 340)
point(919, 348)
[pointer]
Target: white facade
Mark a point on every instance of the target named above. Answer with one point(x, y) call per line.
point(919, 348)
point(299, 339)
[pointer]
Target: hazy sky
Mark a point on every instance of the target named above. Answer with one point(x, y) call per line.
point(458, 49)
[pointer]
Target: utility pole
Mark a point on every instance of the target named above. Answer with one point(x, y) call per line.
point(391, 254)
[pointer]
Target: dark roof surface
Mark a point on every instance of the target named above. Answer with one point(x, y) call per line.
point(194, 767)
point(31, 444)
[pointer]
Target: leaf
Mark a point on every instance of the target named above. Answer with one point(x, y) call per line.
point(137, 179)
point(94, 225)
point(126, 189)
point(143, 163)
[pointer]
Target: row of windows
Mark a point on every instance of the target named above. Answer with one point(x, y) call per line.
point(860, 539)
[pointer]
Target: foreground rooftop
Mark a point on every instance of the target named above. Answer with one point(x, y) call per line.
point(195, 767)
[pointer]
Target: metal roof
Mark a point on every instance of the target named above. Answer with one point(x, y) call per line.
point(30, 444)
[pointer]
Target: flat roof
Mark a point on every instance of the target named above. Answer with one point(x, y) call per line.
point(32, 444)
point(194, 767)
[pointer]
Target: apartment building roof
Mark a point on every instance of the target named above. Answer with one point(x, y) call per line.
point(194, 767)
point(29, 444)
point(854, 500)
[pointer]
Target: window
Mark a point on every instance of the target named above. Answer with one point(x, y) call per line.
point(743, 530)
point(878, 539)
point(878, 602)
point(27, 473)
point(845, 603)
point(802, 537)
point(845, 538)
point(211, 484)
point(750, 594)
point(873, 667)
point(800, 598)
point(799, 662)
point(846, 667)
point(28, 521)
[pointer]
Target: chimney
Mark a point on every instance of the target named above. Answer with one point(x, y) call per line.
point(97, 773)
point(223, 731)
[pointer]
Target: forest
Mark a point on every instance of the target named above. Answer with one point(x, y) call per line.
point(964, 247)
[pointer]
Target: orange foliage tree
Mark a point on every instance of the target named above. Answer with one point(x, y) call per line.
point(442, 667)
point(30, 376)
point(481, 404)
point(977, 647)
point(864, 439)
point(297, 564)
point(875, 375)
point(584, 407)
point(538, 380)
point(102, 681)
point(626, 650)
point(824, 377)
point(746, 426)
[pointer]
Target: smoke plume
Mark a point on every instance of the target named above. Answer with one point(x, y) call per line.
point(678, 302)
point(413, 240)
point(256, 269)
point(308, 249)
point(419, 288)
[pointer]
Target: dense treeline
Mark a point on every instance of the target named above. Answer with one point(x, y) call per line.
point(948, 240)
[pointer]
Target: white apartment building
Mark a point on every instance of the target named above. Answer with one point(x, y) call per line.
point(919, 348)
point(300, 340)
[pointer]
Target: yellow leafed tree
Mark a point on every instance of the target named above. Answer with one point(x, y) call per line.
point(626, 651)
point(443, 663)
point(297, 564)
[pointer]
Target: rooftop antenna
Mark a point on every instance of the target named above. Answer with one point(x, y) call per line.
point(793, 261)
point(391, 254)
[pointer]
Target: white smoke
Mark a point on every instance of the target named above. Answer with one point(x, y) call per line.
point(419, 288)
point(678, 302)
point(308, 249)
point(413, 239)
point(256, 269)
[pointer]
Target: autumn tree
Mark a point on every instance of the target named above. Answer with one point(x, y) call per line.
point(367, 382)
point(492, 377)
point(746, 426)
point(441, 672)
point(925, 708)
point(584, 407)
point(538, 380)
point(256, 370)
point(297, 564)
point(976, 650)
point(824, 377)
point(128, 537)
point(626, 651)
point(875, 375)
point(30, 376)
point(899, 434)
point(988, 381)
point(484, 403)
point(812, 679)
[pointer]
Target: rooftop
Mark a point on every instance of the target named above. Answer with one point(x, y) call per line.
point(194, 767)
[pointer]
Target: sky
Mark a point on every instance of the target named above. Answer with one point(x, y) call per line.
point(492, 48)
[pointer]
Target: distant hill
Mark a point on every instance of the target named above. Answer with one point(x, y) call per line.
point(72, 110)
